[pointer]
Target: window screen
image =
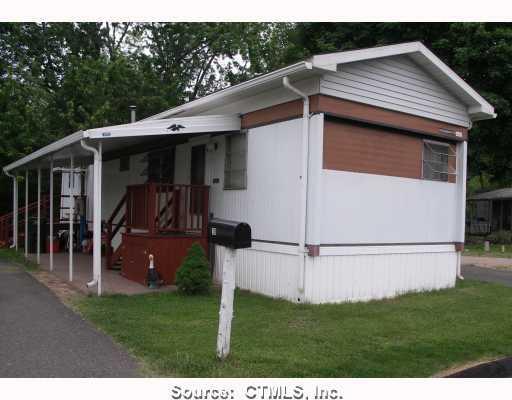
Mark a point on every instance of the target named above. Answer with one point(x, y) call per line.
point(235, 171)
point(436, 161)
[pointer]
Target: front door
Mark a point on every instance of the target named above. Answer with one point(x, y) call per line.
point(197, 165)
point(197, 176)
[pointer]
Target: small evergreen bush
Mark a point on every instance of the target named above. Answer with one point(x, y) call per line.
point(193, 276)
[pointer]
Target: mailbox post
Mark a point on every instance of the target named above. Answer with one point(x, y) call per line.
point(232, 235)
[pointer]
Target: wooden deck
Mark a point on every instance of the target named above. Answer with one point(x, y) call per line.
point(159, 219)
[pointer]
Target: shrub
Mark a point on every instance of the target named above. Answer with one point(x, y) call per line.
point(193, 276)
point(473, 239)
point(500, 237)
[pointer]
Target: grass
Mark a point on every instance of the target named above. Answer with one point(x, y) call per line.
point(411, 336)
point(495, 250)
point(18, 258)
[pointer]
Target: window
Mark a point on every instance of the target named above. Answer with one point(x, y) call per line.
point(437, 159)
point(235, 170)
point(161, 166)
point(124, 164)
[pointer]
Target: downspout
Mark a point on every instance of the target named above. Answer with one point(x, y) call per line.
point(96, 281)
point(302, 250)
point(14, 209)
point(462, 155)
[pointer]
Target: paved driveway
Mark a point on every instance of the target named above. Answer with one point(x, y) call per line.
point(40, 337)
point(487, 274)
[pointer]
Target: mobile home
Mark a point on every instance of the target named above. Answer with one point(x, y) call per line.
point(350, 168)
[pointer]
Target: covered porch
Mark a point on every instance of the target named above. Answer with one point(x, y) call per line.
point(153, 216)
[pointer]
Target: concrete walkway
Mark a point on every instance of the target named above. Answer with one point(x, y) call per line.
point(41, 337)
point(113, 281)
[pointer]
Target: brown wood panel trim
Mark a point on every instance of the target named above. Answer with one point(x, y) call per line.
point(278, 113)
point(340, 108)
point(380, 116)
point(356, 148)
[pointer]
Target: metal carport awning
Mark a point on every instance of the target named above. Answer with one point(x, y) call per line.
point(169, 126)
point(125, 135)
point(84, 145)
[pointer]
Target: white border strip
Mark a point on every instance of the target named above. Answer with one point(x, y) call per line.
point(398, 249)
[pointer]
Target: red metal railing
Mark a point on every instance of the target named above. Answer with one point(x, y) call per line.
point(6, 226)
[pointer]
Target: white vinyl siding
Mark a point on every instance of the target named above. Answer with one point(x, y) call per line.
point(396, 83)
point(378, 209)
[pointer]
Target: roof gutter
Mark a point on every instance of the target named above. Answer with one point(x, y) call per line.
point(233, 90)
point(46, 150)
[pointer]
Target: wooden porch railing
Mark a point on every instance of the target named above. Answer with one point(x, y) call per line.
point(159, 208)
point(168, 208)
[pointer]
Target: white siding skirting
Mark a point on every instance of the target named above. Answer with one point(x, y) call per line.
point(335, 279)
point(270, 273)
point(342, 278)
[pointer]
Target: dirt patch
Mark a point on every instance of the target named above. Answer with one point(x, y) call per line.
point(63, 290)
point(488, 262)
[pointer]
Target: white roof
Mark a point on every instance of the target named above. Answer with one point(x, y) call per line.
point(159, 124)
point(478, 107)
point(119, 136)
point(169, 126)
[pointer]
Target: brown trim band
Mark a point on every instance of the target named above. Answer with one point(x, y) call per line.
point(391, 127)
point(350, 110)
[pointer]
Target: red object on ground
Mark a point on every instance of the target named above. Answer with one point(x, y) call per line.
point(55, 245)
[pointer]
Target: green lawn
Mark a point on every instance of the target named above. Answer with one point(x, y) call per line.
point(411, 336)
point(17, 257)
point(478, 250)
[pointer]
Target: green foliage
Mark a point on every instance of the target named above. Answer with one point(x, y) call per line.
point(496, 250)
point(193, 276)
point(17, 258)
point(500, 237)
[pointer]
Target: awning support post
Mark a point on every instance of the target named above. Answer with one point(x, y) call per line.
point(39, 215)
point(15, 213)
point(51, 214)
point(96, 247)
point(26, 213)
point(71, 181)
